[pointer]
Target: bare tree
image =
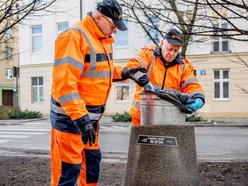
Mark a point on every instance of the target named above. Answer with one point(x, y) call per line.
point(12, 13)
point(196, 18)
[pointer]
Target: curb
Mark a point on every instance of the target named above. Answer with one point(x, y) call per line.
point(108, 157)
point(19, 121)
point(108, 122)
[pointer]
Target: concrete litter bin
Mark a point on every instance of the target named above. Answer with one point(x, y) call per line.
point(162, 151)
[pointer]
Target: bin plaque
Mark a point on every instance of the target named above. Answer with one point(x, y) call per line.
point(157, 140)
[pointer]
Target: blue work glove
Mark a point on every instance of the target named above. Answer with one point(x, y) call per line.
point(194, 104)
point(149, 86)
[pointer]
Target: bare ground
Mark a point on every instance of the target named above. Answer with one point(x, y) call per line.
point(35, 171)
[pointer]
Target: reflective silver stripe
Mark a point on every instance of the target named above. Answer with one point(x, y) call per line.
point(57, 109)
point(182, 68)
point(151, 65)
point(101, 74)
point(136, 104)
point(92, 73)
point(188, 81)
point(170, 89)
point(141, 60)
point(69, 97)
point(138, 74)
point(94, 116)
point(70, 61)
point(92, 50)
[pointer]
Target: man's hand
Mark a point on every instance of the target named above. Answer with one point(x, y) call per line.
point(149, 86)
point(194, 104)
point(137, 74)
point(87, 132)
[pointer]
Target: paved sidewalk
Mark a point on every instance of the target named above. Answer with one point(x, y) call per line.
point(107, 120)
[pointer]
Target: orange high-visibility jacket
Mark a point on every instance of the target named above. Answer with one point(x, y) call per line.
point(178, 75)
point(83, 71)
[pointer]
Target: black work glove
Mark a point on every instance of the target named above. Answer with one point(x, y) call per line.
point(86, 130)
point(137, 74)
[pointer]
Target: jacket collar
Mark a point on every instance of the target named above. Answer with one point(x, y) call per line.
point(91, 26)
point(177, 60)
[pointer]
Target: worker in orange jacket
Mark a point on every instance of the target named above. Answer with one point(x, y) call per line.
point(167, 69)
point(83, 72)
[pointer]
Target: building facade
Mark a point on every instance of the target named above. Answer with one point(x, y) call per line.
point(9, 58)
point(218, 64)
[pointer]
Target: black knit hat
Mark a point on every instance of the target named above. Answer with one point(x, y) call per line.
point(174, 37)
point(112, 9)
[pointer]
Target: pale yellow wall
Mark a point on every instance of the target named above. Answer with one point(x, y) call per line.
point(45, 71)
point(237, 105)
point(9, 63)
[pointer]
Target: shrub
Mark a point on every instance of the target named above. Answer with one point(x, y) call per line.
point(12, 114)
point(193, 118)
point(29, 114)
point(124, 117)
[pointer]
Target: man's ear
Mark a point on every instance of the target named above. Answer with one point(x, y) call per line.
point(98, 16)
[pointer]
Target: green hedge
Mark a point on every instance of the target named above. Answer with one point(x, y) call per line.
point(12, 114)
point(124, 117)
point(194, 118)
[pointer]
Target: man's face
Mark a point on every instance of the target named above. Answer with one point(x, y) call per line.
point(107, 25)
point(169, 51)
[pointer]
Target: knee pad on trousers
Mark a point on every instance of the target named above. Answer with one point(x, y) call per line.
point(93, 158)
point(70, 173)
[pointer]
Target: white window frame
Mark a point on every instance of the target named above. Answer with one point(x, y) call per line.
point(221, 80)
point(40, 90)
point(157, 23)
point(220, 39)
point(8, 52)
point(8, 73)
point(60, 23)
point(122, 84)
point(123, 34)
point(9, 33)
point(34, 38)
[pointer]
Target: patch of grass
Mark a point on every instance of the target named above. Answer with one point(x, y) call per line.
point(124, 117)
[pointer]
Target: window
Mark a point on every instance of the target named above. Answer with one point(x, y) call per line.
point(8, 52)
point(8, 73)
point(61, 27)
point(9, 33)
point(121, 38)
point(37, 39)
point(122, 92)
point(37, 89)
point(153, 21)
point(220, 43)
point(221, 84)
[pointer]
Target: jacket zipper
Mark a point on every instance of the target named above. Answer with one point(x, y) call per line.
point(165, 72)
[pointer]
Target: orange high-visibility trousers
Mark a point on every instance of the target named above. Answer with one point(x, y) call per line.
point(135, 121)
point(72, 161)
